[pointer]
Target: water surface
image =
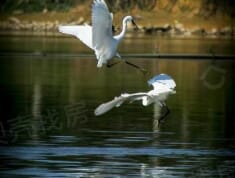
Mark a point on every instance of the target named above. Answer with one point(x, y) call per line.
point(48, 128)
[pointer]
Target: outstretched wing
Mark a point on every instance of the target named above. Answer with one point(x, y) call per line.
point(101, 25)
point(162, 82)
point(82, 32)
point(117, 101)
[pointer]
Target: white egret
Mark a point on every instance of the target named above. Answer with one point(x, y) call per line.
point(163, 85)
point(99, 37)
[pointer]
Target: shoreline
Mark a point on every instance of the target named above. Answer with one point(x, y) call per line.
point(50, 21)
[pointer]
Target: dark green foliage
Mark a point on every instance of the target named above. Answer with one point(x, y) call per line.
point(213, 7)
point(208, 8)
point(39, 5)
point(36, 5)
point(126, 5)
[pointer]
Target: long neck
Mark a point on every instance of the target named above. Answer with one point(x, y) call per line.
point(124, 28)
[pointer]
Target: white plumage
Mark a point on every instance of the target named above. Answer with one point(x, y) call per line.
point(82, 32)
point(99, 36)
point(163, 85)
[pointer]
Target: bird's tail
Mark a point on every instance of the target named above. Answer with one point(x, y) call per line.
point(100, 63)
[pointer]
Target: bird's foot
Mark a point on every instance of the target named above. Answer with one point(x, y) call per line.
point(144, 71)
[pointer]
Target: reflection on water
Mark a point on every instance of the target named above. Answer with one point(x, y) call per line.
point(61, 157)
point(48, 128)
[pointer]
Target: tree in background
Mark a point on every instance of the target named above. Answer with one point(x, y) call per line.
point(35, 5)
point(126, 5)
point(204, 8)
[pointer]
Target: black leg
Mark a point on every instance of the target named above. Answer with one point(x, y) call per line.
point(166, 113)
point(113, 64)
point(144, 71)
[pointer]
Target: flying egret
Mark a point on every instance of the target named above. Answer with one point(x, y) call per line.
point(163, 85)
point(99, 37)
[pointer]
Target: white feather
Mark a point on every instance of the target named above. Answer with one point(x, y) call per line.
point(162, 81)
point(118, 101)
point(102, 41)
point(163, 85)
point(99, 37)
point(102, 25)
point(105, 107)
point(82, 32)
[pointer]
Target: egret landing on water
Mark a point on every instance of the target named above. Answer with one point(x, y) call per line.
point(163, 85)
point(99, 36)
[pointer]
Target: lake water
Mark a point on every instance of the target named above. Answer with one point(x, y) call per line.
point(50, 86)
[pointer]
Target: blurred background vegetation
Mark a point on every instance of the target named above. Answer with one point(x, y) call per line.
point(205, 8)
point(199, 15)
point(36, 5)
